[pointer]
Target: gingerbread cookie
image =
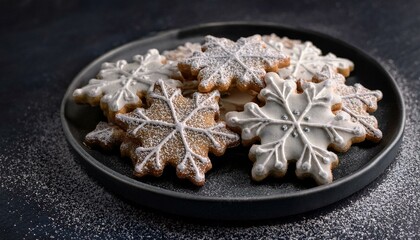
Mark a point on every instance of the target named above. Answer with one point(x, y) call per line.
point(306, 59)
point(358, 101)
point(224, 62)
point(121, 85)
point(297, 127)
point(106, 136)
point(177, 131)
point(182, 52)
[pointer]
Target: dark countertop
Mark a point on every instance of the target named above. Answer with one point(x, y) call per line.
point(45, 192)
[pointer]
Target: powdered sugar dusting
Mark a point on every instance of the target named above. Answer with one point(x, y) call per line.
point(179, 131)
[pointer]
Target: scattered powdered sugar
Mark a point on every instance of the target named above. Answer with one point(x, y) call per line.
point(49, 195)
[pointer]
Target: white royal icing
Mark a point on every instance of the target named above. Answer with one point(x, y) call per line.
point(120, 83)
point(357, 101)
point(295, 126)
point(223, 60)
point(305, 58)
point(179, 120)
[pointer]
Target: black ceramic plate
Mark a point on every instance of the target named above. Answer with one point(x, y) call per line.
point(229, 193)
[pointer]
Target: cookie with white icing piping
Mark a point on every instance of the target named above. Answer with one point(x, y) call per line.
point(178, 131)
point(294, 126)
point(106, 136)
point(120, 86)
point(306, 59)
point(224, 62)
point(357, 101)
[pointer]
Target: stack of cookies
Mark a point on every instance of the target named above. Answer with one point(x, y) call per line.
point(287, 101)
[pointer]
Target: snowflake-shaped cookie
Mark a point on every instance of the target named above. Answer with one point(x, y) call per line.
point(179, 131)
point(182, 52)
point(106, 135)
point(121, 85)
point(295, 126)
point(306, 59)
point(224, 62)
point(358, 101)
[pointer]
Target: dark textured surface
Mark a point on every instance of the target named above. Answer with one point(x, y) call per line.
point(44, 191)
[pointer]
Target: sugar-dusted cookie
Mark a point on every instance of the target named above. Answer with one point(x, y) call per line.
point(297, 127)
point(120, 86)
point(106, 136)
point(305, 58)
point(224, 62)
point(177, 131)
point(358, 101)
point(182, 52)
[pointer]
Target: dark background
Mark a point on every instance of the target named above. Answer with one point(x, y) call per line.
point(44, 192)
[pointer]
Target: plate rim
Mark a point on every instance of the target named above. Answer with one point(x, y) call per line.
point(396, 139)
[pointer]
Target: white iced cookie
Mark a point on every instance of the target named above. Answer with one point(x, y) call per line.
point(297, 127)
point(358, 101)
point(306, 59)
point(120, 86)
